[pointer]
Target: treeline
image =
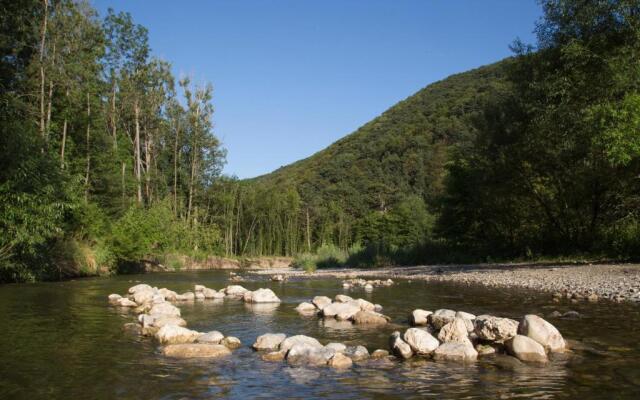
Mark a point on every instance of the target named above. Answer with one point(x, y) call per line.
point(106, 160)
point(533, 157)
point(104, 157)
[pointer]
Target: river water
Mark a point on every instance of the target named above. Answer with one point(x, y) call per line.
point(63, 340)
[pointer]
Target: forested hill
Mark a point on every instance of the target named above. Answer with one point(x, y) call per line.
point(401, 152)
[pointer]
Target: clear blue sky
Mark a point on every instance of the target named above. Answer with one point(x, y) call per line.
point(291, 77)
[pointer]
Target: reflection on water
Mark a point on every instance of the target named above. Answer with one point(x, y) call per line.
point(62, 340)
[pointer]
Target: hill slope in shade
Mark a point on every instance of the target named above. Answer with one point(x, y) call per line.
point(399, 153)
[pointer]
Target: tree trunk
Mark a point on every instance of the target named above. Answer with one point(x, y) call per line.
point(147, 165)
point(64, 134)
point(50, 98)
point(124, 189)
point(113, 116)
point(43, 36)
point(194, 158)
point(308, 233)
point(175, 170)
point(136, 151)
point(86, 177)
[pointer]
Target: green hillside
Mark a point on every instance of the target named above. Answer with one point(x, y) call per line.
point(401, 152)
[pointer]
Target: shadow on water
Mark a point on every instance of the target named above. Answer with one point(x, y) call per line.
point(62, 340)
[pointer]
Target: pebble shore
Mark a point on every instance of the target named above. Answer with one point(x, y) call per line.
point(590, 282)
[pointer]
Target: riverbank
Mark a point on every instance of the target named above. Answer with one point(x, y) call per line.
point(615, 282)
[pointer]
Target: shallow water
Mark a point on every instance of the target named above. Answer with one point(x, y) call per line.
point(62, 340)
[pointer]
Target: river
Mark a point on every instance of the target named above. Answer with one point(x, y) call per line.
point(63, 340)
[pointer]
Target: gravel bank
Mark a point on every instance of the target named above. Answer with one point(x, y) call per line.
point(591, 282)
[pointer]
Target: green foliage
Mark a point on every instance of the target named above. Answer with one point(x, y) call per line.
point(305, 261)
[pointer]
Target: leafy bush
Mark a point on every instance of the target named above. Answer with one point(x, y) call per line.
point(305, 261)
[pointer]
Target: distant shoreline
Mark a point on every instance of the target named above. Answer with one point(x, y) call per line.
point(588, 282)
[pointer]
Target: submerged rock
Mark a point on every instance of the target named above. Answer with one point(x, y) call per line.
point(542, 332)
point(526, 349)
point(196, 350)
point(420, 341)
point(269, 341)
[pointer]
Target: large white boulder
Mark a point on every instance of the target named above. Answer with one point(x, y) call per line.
point(261, 296)
point(526, 349)
point(303, 353)
point(542, 332)
point(364, 304)
point(321, 301)
point(172, 334)
point(343, 310)
point(209, 293)
point(124, 302)
point(340, 361)
point(420, 341)
point(291, 341)
point(234, 290)
point(141, 286)
point(169, 295)
point(492, 328)
point(269, 341)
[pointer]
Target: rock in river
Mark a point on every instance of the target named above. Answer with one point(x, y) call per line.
point(171, 334)
point(369, 318)
point(492, 328)
point(289, 342)
point(399, 347)
point(420, 341)
point(261, 296)
point(344, 310)
point(453, 351)
point(542, 332)
point(321, 301)
point(165, 309)
point(306, 308)
point(196, 350)
point(441, 317)
point(340, 361)
point(269, 341)
point(454, 331)
point(419, 317)
point(213, 337)
point(526, 349)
